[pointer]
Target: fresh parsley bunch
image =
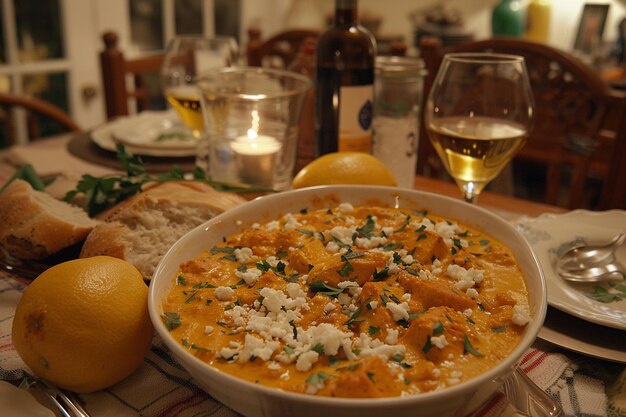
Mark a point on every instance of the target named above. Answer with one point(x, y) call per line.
point(103, 192)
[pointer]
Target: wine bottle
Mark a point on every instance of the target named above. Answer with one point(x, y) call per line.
point(344, 84)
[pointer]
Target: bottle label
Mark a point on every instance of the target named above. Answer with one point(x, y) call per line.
point(355, 118)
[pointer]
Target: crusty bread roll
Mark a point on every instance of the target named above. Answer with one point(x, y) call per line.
point(141, 229)
point(35, 225)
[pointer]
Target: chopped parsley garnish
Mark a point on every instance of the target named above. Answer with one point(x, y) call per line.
point(319, 348)
point(180, 280)
point(306, 232)
point(200, 348)
point(468, 348)
point(438, 328)
point(347, 268)
point(483, 242)
point(242, 268)
point(381, 275)
point(616, 292)
point(192, 297)
point(392, 246)
point(263, 266)
point(355, 316)
point(367, 229)
point(224, 249)
point(405, 224)
point(499, 329)
point(427, 345)
point(373, 330)
point(321, 286)
point(318, 378)
point(171, 320)
point(422, 236)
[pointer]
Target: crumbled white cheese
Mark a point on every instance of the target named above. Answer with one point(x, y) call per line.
point(243, 255)
point(408, 259)
point(208, 329)
point(224, 293)
point(343, 234)
point(273, 225)
point(468, 312)
point(227, 353)
point(291, 223)
point(332, 247)
point(439, 341)
point(472, 293)
point(329, 307)
point(466, 278)
point(373, 304)
point(521, 314)
point(345, 208)
point(250, 276)
point(370, 243)
point(387, 231)
point(392, 336)
point(306, 360)
point(398, 311)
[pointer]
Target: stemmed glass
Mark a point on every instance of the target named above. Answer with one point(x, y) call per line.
point(186, 58)
point(478, 115)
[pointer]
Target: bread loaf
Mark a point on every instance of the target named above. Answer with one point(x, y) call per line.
point(141, 229)
point(35, 225)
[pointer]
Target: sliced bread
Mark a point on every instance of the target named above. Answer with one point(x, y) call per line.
point(35, 225)
point(141, 229)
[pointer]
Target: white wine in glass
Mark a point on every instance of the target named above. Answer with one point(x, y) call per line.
point(478, 115)
point(186, 58)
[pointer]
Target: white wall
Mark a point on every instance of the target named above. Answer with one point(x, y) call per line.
point(270, 14)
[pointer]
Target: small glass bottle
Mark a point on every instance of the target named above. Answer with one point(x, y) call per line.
point(398, 96)
point(507, 19)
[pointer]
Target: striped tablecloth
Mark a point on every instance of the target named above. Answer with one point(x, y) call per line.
point(585, 387)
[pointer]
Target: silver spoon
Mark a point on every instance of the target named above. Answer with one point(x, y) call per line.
point(580, 257)
point(599, 273)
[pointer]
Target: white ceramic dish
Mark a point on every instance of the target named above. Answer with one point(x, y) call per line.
point(140, 134)
point(254, 400)
point(548, 232)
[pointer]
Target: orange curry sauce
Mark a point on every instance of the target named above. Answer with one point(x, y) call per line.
point(351, 302)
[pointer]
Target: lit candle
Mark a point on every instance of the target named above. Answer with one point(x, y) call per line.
point(255, 156)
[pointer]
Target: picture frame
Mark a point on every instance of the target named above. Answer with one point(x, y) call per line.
point(591, 27)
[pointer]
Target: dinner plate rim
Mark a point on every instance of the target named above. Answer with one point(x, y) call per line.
point(529, 228)
point(104, 137)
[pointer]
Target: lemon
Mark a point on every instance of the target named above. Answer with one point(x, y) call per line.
point(344, 168)
point(83, 324)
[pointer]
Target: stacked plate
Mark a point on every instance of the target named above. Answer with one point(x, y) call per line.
point(149, 133)
point(587, 318)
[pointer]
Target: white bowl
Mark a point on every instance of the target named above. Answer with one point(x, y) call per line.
point(255, 400)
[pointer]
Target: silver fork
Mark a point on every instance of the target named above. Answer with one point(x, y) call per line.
point(67, 406)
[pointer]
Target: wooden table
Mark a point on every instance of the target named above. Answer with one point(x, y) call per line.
point(51, 156)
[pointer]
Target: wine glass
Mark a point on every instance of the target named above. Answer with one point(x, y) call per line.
point(478, 115)
point(186, 58)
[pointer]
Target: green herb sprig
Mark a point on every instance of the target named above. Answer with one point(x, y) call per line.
point(103, 192)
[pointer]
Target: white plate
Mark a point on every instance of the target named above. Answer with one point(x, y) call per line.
point(549, 231)
point(150, 133)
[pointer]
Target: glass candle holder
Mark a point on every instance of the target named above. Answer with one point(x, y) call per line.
point(252, 117)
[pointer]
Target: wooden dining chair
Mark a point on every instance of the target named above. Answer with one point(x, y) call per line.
point(41, 118)
point(125, 80)
point(278, 51)
point(577, 116)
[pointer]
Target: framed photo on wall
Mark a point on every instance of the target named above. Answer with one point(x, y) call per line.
point(591, 27)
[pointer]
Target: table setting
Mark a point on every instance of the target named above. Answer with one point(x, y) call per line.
point(235, 129)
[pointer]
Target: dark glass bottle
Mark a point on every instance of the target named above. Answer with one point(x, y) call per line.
point(344, 83)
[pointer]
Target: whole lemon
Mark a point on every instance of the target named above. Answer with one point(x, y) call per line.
point(83, 324)
point(344, 168)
